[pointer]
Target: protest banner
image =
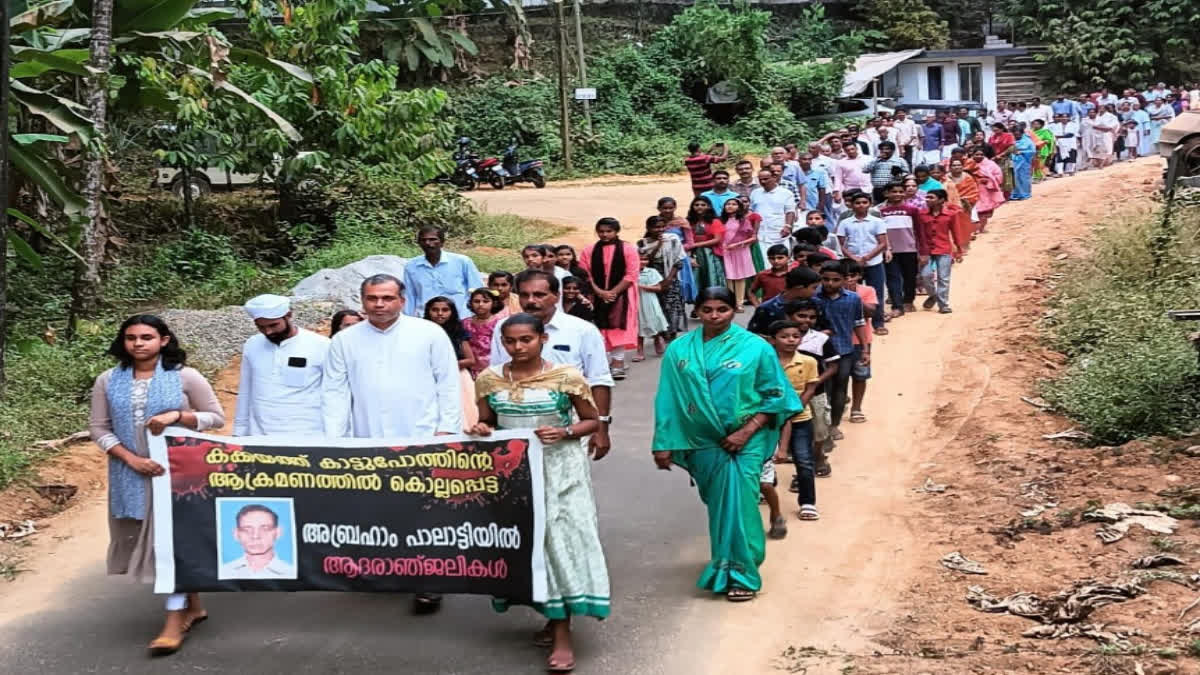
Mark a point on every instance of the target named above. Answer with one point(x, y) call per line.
point(451, 514)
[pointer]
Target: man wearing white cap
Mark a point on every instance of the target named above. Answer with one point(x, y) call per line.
point(280, 388)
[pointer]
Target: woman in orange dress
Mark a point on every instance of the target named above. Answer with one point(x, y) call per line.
point(614, 266)
point(968, 194)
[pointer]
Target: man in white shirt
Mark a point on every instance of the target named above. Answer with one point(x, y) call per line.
point(1001, 114)
point(256, 529)
point(777, 206)
point(1066, 143)
point(280, 388)
point(904, 132)
point(570, 341)
point(821, 160)
point(1040, 111)
point(392, 376)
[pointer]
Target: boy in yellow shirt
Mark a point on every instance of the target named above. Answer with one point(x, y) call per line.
point(802, 374)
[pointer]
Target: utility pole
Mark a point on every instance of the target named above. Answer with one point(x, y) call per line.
point(560, 22)
point(587, 105)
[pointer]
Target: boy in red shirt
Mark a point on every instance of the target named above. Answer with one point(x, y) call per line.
point(771, 281)
point(937, 248)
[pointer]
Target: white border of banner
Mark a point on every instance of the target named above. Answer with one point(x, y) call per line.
point(164, 533)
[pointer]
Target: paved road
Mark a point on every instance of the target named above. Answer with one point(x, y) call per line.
point(654, 534)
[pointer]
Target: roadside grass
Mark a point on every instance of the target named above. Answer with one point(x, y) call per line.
point(497, 240)
point(1131, 371)
point(47, 395)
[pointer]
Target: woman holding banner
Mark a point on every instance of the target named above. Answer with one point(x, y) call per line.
point(148, 389)
point(721, 403)
point(532, 393)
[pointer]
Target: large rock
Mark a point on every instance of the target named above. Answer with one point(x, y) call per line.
point(341, 285)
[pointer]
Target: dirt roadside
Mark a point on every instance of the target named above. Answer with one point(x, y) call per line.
point(944, 403)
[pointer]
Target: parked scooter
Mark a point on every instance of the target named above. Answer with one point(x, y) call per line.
point(466, 175)
point(511, 170)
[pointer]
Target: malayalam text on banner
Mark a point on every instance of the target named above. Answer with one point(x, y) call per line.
point(450, 514)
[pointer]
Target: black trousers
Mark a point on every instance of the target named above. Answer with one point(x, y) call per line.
point(902, 279)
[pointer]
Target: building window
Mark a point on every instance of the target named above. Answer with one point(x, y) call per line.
point(970, 82)
point(933, 76)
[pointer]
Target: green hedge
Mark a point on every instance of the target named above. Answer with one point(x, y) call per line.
point(1131, 370)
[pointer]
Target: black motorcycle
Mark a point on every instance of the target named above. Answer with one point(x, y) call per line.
point(465, 176)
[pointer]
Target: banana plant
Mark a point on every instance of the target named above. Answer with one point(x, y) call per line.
point(50, 53)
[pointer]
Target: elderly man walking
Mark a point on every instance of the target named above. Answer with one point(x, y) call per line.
point(438, 272)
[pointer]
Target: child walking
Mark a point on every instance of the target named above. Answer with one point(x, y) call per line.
point(938, 249)
point(860, 373)
point(843, 313)
point(816, 343)
point(771, 282)
point(652, 323)
point(485, 308)
point(802, 375)
point(502, 283)
point(443, 312)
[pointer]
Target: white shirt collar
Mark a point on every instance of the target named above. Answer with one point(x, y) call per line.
point(389, 329)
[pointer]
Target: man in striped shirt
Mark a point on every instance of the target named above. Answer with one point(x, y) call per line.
point(885, 169)
point(699, 165)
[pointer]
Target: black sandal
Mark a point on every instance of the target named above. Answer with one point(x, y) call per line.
point(823, 470)
point(737, 594)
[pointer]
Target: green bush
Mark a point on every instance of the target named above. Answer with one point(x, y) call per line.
point(47, 394)
point(1131, 370)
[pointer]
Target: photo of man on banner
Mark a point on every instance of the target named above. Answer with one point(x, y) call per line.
point(256, 539)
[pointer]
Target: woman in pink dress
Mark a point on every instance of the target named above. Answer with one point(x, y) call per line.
point(614, 267)
point(735, 248)
point(990, 178)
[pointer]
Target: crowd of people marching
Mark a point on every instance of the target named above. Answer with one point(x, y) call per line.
point(828, 247)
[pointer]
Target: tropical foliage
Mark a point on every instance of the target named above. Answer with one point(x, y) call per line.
point(652, 100)
point(906, 24)
point(1112, 42)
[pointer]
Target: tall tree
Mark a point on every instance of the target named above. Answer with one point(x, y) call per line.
point(1112, 42)
point(4, 182)
point(95, 232)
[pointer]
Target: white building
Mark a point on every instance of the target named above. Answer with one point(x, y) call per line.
point(931, 75)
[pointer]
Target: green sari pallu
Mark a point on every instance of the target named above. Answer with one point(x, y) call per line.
point(708, 390)
point(1044, 153)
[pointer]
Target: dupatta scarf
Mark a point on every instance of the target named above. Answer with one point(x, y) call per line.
point(609, 314)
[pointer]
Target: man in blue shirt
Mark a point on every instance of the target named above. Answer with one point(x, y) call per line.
point(437, 273)
point(931, 141)
point(1062, 106)
point(815, 181)
point(720, 193)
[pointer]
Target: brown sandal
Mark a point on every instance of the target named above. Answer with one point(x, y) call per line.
point(164, 646)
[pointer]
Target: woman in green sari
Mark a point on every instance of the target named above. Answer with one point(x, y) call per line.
point(721, 403)
point(1045, 149)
